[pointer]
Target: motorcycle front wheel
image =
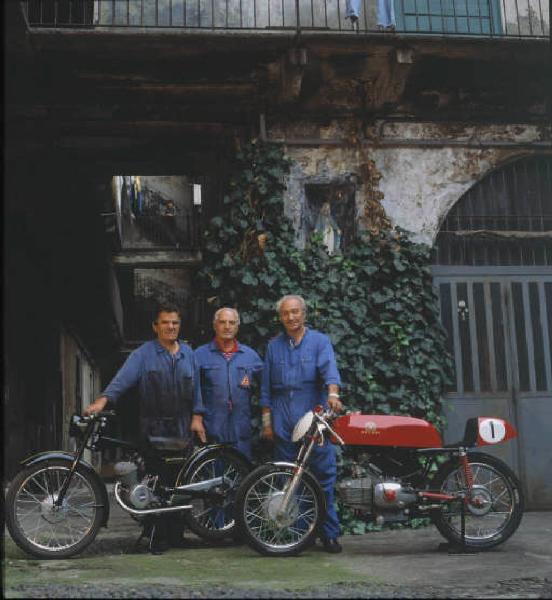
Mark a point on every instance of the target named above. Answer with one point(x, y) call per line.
point(494, 508)
point(40, 527)
point(212, 517)
point(265, 526)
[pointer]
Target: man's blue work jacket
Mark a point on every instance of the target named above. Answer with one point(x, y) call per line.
point(295, 378)
point(167, 385)
point(226, 387)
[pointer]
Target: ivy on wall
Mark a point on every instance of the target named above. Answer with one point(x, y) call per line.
point(375, 300)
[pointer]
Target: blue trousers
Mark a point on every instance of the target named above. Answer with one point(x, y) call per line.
point(385, 11)
point(322, 465)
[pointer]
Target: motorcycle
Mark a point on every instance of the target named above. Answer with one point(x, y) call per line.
point(56, 505)
point(400, 471)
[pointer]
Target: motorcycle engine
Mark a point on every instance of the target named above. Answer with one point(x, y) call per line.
point(138, 494)
point(374, 493)
point(141, 496)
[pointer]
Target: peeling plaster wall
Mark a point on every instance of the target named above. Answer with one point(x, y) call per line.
point(420, 183)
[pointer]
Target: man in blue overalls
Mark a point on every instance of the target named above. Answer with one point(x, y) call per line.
point(227, 371)
point(165, 376)
point(300, 372)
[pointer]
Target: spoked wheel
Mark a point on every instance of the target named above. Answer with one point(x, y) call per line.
point(43, 529)
point(212, 517)
point(494, 509)
point(266, 527)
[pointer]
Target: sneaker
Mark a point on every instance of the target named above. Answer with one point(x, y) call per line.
point(332, 546)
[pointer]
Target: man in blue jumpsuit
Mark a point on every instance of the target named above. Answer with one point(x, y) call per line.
point(227, 371)
point(165, 376)
point(300, 372)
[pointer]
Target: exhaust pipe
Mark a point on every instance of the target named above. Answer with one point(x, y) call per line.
point(146, 511)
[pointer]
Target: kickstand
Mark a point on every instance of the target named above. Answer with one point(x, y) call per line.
point(460, 549)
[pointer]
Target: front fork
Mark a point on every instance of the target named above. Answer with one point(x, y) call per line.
point(78, 455)
point(291, 487)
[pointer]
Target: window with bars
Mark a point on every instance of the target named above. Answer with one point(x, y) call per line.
point(449, 16)
point(504, 220)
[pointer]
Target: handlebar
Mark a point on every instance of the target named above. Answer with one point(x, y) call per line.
point(104, 414)
point(325, 418)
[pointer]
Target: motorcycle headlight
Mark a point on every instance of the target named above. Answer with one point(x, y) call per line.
point(302, 426)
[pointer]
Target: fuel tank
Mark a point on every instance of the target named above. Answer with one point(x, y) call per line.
point(385, 430)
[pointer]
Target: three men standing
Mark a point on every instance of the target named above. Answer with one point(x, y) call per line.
point(300, 372)
point(208, 393)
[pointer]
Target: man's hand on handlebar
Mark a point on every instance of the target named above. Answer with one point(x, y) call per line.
point(335, 405)
point(97, 406)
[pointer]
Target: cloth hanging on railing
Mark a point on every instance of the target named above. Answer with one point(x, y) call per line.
point(386, 14)
point(352, 10)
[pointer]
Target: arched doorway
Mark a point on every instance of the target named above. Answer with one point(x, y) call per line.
point(493, 273)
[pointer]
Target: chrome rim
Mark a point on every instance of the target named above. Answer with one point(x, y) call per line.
point(490, 505)
point(213, 514)
point(47, 526)
point(264, 519)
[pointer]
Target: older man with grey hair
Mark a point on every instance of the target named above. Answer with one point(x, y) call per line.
point(227, 370)
point(300, 372)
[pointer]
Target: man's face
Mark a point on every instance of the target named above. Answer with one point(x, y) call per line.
point(167, 327)
point(225, 325)
point(292, 316)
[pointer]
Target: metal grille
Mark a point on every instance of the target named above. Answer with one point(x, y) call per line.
point(505, 219)
point(499, 328)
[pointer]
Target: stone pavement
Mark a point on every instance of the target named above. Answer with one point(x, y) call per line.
point(386, 564)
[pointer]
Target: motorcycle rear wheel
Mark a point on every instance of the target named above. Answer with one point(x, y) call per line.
point(210, 518)
point(40, 528)
point(257, 506)
point(494, 510)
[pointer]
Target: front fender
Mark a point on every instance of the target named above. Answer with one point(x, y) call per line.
point(85, 466)
point(282, 463)
point(203, 453)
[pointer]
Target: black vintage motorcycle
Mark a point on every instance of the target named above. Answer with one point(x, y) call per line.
point(401, 470)
point(57, 503)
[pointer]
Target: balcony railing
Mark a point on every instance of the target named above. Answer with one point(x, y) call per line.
point(480, 18)
point(160, 232)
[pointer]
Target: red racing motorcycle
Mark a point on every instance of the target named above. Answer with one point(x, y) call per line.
point(401, 470)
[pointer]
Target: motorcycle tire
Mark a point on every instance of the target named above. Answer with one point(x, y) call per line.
point(213, 519)
point(47, 532)
point(494, 510)
point(267, 531)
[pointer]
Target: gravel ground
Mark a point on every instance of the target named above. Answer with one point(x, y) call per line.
point(391, 564)
point(515, 588)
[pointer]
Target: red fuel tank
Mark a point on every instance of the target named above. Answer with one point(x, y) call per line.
point(385, 430)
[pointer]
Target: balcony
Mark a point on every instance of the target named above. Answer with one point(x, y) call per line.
point(160, 232)
point(521, 19)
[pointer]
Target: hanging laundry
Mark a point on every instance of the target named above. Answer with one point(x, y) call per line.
point(138, 193)
point(386, 15)
point(352, 10)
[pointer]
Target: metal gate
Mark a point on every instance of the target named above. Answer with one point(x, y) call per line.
point(493, 273)
point(499, 323)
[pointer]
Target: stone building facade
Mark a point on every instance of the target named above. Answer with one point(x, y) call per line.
point(411, 124)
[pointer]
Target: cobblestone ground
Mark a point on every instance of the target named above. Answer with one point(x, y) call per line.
point(515, 588)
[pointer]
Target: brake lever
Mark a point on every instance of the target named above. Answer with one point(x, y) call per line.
point(323, 420)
